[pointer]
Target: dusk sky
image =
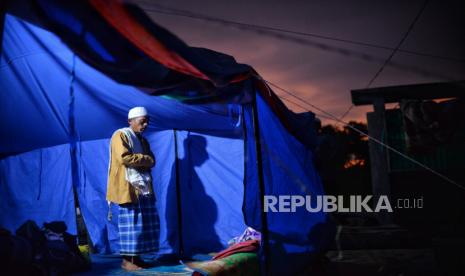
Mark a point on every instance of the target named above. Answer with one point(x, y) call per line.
point(324, 77)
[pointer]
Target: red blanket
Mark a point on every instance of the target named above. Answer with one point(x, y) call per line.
point(247, 246)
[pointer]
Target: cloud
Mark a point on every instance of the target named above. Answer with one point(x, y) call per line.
point(324, 77)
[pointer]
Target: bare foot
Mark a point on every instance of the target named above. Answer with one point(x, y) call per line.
point(128, 266)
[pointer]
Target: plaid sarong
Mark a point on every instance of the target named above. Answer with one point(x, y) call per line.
point(139, 227)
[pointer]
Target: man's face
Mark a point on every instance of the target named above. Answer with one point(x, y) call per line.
point(139, 124)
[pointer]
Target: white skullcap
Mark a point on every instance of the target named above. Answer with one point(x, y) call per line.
point(138, 111)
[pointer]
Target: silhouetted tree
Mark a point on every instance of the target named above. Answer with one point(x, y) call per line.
point(342, 159)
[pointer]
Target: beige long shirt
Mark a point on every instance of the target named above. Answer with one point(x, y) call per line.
point(118, 189)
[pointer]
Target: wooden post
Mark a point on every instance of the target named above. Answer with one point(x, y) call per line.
point(378, 155)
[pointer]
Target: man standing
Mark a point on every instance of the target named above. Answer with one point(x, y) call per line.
point(130, 186)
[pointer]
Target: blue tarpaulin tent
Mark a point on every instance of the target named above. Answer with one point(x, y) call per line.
point(68, 76)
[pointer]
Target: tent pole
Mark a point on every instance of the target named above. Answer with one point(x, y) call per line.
point(2, 21)
point(82, 237)
point(261, 185)
point(178, 193)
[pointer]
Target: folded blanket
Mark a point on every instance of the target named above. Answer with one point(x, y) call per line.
point(243, 264)
point(246, 246)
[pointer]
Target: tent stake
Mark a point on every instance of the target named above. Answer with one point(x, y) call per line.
point(261, 185)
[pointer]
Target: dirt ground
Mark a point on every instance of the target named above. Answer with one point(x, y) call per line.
point(381, 262)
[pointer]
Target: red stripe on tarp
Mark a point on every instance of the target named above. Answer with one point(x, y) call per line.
point(118, 17)
point(240, 77)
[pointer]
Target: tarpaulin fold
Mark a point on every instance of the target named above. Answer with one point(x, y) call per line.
point(215, 139)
